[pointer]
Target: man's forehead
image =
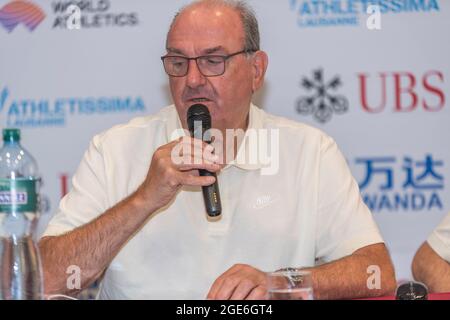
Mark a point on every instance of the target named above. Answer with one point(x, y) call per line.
point(219, 26)
point(203, 51)
point(218, 14)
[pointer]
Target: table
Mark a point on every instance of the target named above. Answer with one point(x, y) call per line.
point(431, 296)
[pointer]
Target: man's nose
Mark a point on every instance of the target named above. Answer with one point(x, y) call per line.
point(194, 77)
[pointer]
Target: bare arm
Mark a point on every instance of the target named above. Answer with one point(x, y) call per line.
point(341, 279)
point(92, 247)
point(428, 267)
point(349, 276)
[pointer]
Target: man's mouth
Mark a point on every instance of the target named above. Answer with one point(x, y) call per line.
point(199, 100)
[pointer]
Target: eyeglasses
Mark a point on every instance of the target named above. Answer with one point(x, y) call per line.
point(209, 66)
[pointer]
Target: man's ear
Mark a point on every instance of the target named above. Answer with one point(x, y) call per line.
point(260, 63)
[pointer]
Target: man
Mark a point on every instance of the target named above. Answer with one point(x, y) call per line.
point(431, 264)
point(135, 217)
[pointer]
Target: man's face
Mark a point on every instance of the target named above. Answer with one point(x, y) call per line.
point(201, 31)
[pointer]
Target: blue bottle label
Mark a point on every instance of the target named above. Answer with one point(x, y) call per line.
point(19, 195)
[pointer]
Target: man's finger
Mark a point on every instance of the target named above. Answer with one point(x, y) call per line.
point(188, 179)
point(227, 288)
point(190, 144)
point(243, 290)
point(258, 293)
point(193, 158)
point(188, 150)
point(185, 152)
point(212, 167)
point(218, 283)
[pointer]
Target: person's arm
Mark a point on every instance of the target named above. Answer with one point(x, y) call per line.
point(354, 276)
point(92, 246)
point(340, 279)
point(428, 267)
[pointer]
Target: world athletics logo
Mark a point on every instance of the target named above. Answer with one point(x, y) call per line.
point(329, 13)
point(16, 12)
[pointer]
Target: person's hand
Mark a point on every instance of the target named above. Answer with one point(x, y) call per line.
point(240, 282)
point(175, 165)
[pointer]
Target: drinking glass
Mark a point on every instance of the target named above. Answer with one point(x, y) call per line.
point(292, 284)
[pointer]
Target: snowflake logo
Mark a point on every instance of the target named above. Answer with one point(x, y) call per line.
point(322, 101)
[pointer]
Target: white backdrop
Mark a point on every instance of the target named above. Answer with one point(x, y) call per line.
point(63, 86)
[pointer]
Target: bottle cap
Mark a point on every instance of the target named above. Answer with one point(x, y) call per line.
point(11, 135)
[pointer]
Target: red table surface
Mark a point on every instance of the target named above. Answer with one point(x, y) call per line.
point(431, 296)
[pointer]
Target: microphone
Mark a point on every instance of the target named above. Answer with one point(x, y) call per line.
point(199, 121)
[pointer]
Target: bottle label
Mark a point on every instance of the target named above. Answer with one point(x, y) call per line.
point(18, 195)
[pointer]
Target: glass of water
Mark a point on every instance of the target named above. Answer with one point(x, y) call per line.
point(290, 284)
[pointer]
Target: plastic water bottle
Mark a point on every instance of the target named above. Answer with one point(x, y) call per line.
point(20, 266)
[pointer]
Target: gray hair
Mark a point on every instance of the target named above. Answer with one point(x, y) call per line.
point(248, 18)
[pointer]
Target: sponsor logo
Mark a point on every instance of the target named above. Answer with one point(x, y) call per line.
point(3, 95)
point(16, 198)
point(46, 112)
point(322, 100)
point(402, 91)
point(90, 15)
point(265, 201)
point(67, 15)
point(331, 13)
point(21, 12)
point(391, 184)
point(388, 91)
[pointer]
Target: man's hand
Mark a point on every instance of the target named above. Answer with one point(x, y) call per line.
point(240, 282)
point(345, 278)
point(175, 165)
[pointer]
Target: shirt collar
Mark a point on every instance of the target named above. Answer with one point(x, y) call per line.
point(242, 159)
point(174, 129)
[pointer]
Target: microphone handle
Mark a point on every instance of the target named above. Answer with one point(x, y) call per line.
point(211, 195)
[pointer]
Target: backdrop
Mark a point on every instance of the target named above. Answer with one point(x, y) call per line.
point(378, 83)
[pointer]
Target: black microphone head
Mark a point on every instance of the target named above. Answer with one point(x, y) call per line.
point(198, 113)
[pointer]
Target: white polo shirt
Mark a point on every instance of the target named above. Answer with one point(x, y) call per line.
point(439, 240)
point(311, 209)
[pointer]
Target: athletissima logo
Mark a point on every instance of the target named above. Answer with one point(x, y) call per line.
point(44, 112)
point(322, 101)
point(3, 95)
point(333, 13)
